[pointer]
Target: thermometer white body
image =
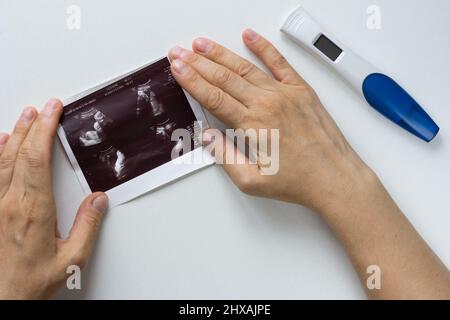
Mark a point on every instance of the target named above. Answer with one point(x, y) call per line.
point(380, 91)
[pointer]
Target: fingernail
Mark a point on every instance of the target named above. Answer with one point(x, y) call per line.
point(202, 45)
point(3, 138)
point(50, 107)
point(175, 52)
point(180, 67)
point(251, 35)
point(28, 114)
point(100, 204)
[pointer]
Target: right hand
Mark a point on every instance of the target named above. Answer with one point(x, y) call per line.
point(318, 168)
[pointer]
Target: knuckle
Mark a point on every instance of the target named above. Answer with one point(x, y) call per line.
point(29, 211)
point(263, 46)
point(303, 93)
point(93, 221)
point(41, 211)
point(221, 76)
point(193, 80)
point(8, 208)
point(216, 51)
point(216, 99)
point(6, 162)
point(34, 186)
point(33, 217)
point(305, 89)
point(247, 184)
point(279, 61)
point(21, 129)
point(31, 157)
point(245, 68)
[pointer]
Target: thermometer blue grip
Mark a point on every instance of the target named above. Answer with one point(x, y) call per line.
point(391, 100)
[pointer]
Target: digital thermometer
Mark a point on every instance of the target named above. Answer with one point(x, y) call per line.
point(380, 91)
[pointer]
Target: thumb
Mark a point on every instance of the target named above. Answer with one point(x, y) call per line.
point(85, 228)
point(244, 174)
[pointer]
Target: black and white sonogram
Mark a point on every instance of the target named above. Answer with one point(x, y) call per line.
point(124, 130)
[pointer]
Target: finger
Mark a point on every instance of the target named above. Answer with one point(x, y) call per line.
point(33, 167)
point(11, 149)
point(215, 100)
point(217, 75)
point(272, 58)
point(3, 140)
point(78, 246)
point(245, 175)
point(221, 55)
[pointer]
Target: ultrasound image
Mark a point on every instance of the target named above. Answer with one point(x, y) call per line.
point(124, 130)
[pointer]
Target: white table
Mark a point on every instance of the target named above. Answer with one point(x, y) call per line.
point(200, 237)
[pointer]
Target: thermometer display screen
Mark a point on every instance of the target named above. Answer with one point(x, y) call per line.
point(328, 47)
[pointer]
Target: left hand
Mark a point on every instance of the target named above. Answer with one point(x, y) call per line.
point(33, 256)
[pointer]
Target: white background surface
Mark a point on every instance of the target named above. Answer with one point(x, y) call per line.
point(200, 237)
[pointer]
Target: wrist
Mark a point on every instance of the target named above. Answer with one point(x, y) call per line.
point(353, 193)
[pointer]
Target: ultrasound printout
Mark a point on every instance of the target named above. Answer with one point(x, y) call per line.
point(124, 130)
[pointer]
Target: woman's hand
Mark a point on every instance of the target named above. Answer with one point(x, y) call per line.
point(33, 257)
point(317, 167)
